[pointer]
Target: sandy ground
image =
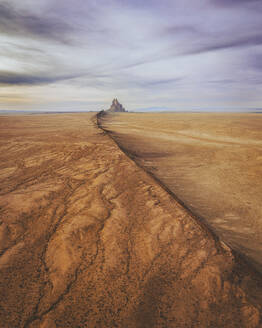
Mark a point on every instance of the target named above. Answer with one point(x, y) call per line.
point(212, 162)
point(89, 239)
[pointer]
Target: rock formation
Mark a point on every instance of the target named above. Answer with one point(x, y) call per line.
point(116, 106)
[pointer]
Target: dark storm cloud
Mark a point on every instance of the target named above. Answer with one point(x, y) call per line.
point(79, 79)
point(20, 79)
point(25, 23)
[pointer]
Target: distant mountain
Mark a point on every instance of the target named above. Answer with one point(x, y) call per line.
point(116, 106)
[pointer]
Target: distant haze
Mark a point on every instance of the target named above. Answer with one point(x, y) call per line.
point(73, 55)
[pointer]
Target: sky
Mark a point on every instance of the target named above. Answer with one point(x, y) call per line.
point(74, 55)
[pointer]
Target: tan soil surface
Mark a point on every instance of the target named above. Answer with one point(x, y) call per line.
point(88, 239)
point(212, 162)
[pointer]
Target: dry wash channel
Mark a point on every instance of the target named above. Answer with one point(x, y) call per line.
point(88, 239)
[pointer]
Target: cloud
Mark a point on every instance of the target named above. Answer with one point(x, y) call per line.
point(213, 44)
point(28, 55)
point(140, 51)
point(161, 82)
point(197, 37)
point(87, 78)
point(256, 62)
point(21, 79)
point(232, 3)
point(180, 29)
point(222, 81)
point(24, 23)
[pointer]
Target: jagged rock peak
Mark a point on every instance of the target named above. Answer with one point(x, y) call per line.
point(116, 106)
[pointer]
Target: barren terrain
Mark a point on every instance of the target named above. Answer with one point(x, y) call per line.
point(89, 239)
point(211, 162)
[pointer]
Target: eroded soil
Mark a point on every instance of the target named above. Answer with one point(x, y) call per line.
point(212, 162)
point(88, 239)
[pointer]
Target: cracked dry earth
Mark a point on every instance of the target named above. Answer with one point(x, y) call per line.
point(88, 239)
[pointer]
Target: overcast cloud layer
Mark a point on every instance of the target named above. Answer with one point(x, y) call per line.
point(179, 54)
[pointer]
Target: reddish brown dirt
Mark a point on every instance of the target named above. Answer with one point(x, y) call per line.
point(88, 239)
point(210, 161)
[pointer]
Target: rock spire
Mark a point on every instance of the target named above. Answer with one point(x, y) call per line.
point(116, 106)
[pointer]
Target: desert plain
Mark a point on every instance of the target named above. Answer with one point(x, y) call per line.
point(212, 162)
point(130, 220)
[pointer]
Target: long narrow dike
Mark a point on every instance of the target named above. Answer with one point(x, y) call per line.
point(200, 220)
point(229, 289)
point(102, 116)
